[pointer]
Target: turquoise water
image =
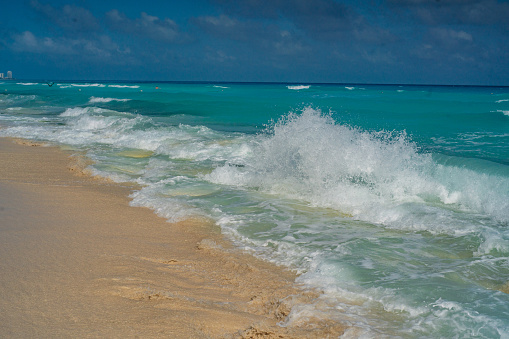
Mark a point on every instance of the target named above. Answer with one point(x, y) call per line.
point(392, 200)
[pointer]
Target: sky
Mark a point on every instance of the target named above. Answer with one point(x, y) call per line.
point(442, 42)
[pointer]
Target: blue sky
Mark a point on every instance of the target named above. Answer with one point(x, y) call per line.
point(378, 41)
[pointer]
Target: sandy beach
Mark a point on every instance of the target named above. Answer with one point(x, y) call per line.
point(77, 261)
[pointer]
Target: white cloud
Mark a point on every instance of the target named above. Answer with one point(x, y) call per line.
point(448, 35)
point(28, 42)
point(102, 47)
point(146, 25)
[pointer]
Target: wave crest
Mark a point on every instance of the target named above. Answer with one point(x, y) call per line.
point(124, 86)
point(94, 100)
point(298, 87)
point(379, 177)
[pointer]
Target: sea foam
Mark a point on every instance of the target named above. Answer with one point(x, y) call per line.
point(124, 86)
point(94, 100)
point(88, 85)
point(298, 87)
point(379, 177)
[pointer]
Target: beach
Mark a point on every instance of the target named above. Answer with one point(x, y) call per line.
point(78, 261)
point(254, 209)
point(250, 169)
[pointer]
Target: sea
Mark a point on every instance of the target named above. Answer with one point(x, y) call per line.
point(391, 200)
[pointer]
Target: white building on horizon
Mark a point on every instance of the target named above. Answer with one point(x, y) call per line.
point(1, 75)
point(9, 75)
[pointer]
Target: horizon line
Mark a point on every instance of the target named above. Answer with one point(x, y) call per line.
point(253, 82)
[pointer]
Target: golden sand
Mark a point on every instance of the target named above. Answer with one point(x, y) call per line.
point(77, 261)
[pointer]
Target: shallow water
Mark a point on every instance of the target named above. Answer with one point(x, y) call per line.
point(393, 200)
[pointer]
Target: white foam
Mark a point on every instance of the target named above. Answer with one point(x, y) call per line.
point(94, 100)
point(299, 87)
point(377, 177)
point(88, 85)
point(494, 244)
point(123, 86)
point(17, 98)
point(27, 83)
point(173, 210)
point(502, 100)
point(77, 111)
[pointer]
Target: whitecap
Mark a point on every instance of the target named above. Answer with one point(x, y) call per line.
point(123, 86)
point(75, 111)
point(298, 87)
point(94, 100)
point(88, 85)
point(375, 177)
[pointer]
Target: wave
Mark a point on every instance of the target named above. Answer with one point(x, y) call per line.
point(350, 88)
point(217, 86)
point(87, 85)
point(86, 127)
point(80, 85)
point(378, 177)
point(77, 111)
point(17, 98)
point(506, 113)
point(27, 83)
point(298, 87)
point(123, 86)
point(316, 193)
point(500, 101)
point(94, 100)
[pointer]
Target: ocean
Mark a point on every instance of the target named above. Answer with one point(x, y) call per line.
point(391, 200)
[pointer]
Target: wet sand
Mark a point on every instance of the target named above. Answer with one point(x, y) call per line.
point(77, 261)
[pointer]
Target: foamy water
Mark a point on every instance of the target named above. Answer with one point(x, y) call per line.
point(394, 202)
point(124, 86)
point(298, 87)
point(94, 100)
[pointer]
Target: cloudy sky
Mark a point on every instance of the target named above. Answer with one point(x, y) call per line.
point(343, 41)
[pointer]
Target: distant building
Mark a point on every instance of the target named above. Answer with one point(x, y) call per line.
point(9, 75)
point(1, 75)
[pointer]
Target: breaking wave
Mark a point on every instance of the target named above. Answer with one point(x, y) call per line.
point(94, 100)
point(298, 87)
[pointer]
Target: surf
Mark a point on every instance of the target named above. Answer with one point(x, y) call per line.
point(396, 223)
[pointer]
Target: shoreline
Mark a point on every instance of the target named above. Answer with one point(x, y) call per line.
point(81, 261)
